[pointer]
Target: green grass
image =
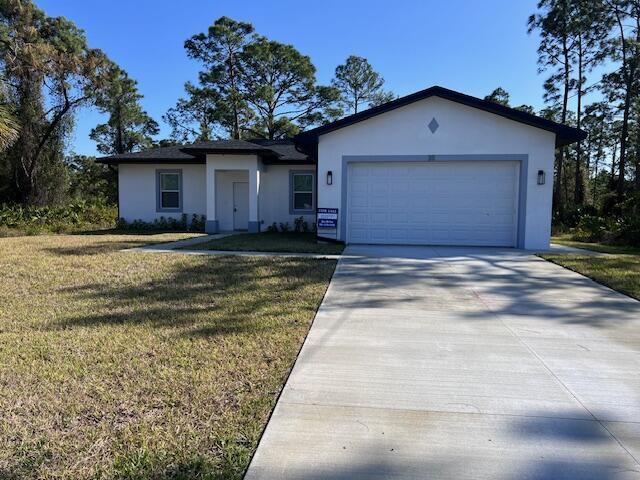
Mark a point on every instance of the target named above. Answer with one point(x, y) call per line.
point(619, 269)
point(138, 365)
point(597, 247)
point(271, 242)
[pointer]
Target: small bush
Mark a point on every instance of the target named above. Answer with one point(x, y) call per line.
point(273, 228)
point(284, 227)
point(300, 225)
point(590, 228)
point(197, 223)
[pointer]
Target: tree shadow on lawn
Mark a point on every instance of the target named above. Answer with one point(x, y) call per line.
point(140, 233)
point(210, 296)
point(144, 238)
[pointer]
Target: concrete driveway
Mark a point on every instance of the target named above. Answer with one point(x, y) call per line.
point(459, 363)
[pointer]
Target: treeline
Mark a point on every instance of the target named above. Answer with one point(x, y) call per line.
point(48, 73)
point(600, 176)
point(248, 87)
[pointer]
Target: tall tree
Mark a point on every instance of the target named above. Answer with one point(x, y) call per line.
point(129, 127)
point(589, 25)
point(44, 58)
point(194, 118)
point(499, 96)
point(359, 85)
point(220, 51)
point(555, 52)
point(249, 87)
point(279, 84)
point(598, 118)
point(626, 48)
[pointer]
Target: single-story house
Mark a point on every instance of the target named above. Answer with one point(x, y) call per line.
point(436, 167)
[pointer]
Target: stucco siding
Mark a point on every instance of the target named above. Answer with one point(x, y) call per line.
point(462, 131)
point(137, 191)
point(138, 194)
point(275, 195)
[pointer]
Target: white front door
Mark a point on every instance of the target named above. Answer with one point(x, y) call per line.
point(240, 205)
point(433, 203)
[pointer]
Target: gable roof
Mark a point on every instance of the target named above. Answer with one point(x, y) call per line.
point(564, 134)
point(271, 151)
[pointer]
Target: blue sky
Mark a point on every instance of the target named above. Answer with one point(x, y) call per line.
point(466, 45)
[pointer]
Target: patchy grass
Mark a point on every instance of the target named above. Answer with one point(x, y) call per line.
point(619, 269)
point(272, 242)
point(135, 365)
point(597, 247)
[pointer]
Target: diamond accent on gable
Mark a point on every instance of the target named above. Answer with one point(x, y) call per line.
point(433, 125)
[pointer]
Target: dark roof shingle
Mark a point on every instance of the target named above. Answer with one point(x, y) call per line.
point(173, 153)
point(272, 150)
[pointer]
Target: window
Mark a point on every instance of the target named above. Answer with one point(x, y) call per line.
point(302, 184)
point(169, 190)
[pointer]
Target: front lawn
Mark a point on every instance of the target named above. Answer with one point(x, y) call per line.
point(136, 365)
point(271, 242)
point(618, 269)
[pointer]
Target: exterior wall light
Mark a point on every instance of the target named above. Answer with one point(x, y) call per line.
point(541, 176)
point(329, 177)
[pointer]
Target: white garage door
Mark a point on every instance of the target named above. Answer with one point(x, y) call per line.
point(433, 203)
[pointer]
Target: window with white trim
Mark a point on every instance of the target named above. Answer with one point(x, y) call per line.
point(302, 185)
point(169, 190)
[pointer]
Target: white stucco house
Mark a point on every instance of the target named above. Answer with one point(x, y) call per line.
point(436, 167)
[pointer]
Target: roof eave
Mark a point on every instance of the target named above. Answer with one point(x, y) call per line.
point(565, 135)
point(116, 161)
point(227, 151)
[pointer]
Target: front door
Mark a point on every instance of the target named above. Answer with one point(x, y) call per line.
point(240, 205)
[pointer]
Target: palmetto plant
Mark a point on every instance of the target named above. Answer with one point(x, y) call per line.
point(9, 128)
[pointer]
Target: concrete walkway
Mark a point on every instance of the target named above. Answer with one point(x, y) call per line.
point(460, 363)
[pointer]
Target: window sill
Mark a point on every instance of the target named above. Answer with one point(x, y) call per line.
point(302, 212)
point(168, 210)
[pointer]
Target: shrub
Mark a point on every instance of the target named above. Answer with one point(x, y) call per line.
point(79, 215)
point(273, 228)
point(629, 231)
point(300, 225)
point(166, 224)
point(284, 227)
point(590, 228)
point(197, 223)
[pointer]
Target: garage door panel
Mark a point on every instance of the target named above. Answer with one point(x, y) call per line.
point(445, 203)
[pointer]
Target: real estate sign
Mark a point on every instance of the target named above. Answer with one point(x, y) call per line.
point(327, 218)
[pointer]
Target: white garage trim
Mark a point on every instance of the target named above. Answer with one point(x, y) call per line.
point(522, 183)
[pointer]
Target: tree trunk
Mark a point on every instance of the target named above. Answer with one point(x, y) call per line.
point(578, 196)
point(620, 187)
point(612, 174)
point(557, 194)
point(30, 111)
point(637, 159)
point(119, 135)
